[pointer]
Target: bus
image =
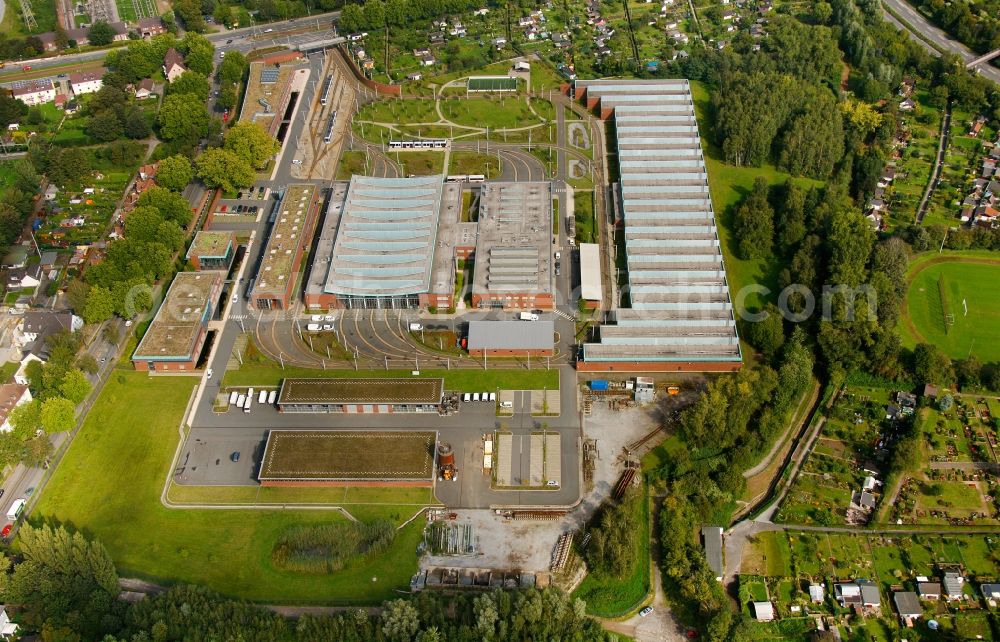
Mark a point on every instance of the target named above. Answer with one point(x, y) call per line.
point(457, 178)
point(476, 178)
point(325, 93)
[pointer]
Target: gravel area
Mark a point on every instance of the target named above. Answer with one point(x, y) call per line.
point(528, 545)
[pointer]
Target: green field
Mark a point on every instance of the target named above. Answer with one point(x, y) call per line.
point(935, 298)
point(473, 163)
point(109, 485)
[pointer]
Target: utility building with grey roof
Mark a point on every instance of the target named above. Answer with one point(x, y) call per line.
point(511, 338)
point(514, 263)
point(678, 316)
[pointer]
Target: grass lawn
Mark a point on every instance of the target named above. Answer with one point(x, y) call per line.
point(399, 111)
point(953, 495)
point(473, 163)
point(937, 292)
point(420, 163)
point(496, 113)
point(613, 597)
point(464, 380)
point(109, 484)
point(729, 185)
point(351, 164)
point(311, 454)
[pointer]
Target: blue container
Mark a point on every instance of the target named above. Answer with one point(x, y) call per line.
point(599, 384)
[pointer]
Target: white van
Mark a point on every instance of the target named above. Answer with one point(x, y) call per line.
point(506, 404)
point(16, 509)
point(271, 396)
point(241, 400)
point(416, 327)
point(475, 396)
point(467, 397)
point(233, 396)
point(493, 396)
point(262, 397)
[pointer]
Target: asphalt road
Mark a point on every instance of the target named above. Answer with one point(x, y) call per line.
point(915, 23)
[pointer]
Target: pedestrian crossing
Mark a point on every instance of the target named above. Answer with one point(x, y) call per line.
point(565, 315)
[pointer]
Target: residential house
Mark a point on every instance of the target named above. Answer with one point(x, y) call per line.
point(420, 53)
point(38, 325)
point(23, 278)
point(990, 591)
point(481, 12)
point(12, 395)
point(173, 65)
point(149, 27)
point(907, 104)
point(428, 61)
point(7, 628)
point(989, 168)
point(50, 192)
point(908, 607)
point(928, 590)
point(416, 75)
point(977, 126)
point(863, 501)
point(499, 43)
point(862, 594)
point(816, 593)
point(34, 92)
point(870, 483)
point(144, 89)
point(17, 256)
point(930, 392)
point(148, 172)
point(763, 611)
point(525, 21)
point(907, 401)
point(48, 259)
point(86, 82)
point(953, 582)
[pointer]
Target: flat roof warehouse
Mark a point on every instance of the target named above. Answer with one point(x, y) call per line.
point(326, 457)
point(178, 324)
point(681, 316)
point(361, 390)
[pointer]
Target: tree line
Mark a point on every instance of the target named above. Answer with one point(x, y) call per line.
point(66, 587)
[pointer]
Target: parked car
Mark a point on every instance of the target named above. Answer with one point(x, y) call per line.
point(5, 533)
point(235, 457)
point(646, 611)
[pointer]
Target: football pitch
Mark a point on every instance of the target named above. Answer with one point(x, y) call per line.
point(954, 305)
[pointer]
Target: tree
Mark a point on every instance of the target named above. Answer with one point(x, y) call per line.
point(75, 386)
point(12, 110)
point(970, 371)
point(767, 335)
point(58, 414)
point(930, 365)
point(227, 97)
point(183, 118)
point(232, 67)
point(174, 172)
point(199, 53)
point(100, 305)
point(26, 419)
point(753, 223)
point(222, 168)
point(76, 295)
point(252, 143)
point(352, 18)
point(63, 581)
point(136, 125)
point(171, 205)
point(190, 82)
point(400, 620)
point(946, 402)
point(87, 363)
point(105, 126)
point(101, 33)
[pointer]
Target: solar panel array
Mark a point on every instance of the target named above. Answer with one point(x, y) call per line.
point(386, 239)
point(680, 309)
point(269, 75)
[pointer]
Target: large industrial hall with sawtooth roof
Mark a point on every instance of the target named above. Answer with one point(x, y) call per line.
point(678, 315)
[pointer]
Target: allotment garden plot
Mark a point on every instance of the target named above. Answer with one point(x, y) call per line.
point(846, 461)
